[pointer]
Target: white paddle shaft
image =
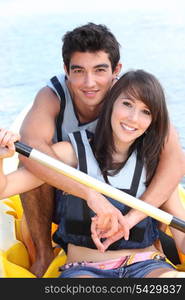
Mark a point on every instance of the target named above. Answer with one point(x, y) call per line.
point(100, 187)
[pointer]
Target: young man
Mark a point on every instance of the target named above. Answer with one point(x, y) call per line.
point(91, 64)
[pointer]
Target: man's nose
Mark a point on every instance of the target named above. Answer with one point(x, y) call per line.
point(89, 80)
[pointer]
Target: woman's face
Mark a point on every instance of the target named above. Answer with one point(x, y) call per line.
point(130, 119)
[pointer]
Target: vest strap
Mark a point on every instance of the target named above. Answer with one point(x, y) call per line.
point(60, 117)
point(83, 167)
point(169, 247)
point(136, 177)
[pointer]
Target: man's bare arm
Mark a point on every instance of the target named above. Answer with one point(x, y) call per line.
point(168, 175)
point(37, 131)
point(175, 207)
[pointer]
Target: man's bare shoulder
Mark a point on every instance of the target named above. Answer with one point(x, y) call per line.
point(47, 99)
point(39, 122)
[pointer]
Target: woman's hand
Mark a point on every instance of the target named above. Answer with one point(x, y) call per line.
point(7, 140)
point(103, 228)
point(105, 232)
point(109, 222)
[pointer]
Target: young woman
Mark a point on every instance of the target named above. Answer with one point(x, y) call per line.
point(124, 152)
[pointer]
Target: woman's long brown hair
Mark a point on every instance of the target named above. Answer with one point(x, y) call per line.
point(146, 88)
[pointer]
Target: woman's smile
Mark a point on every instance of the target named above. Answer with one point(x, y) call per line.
point(128, 128)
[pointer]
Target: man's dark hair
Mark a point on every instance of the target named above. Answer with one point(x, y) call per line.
point(90, 38)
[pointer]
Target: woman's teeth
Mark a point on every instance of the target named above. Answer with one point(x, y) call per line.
point(128, 127)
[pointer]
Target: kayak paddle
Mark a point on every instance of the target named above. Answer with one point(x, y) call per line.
point(100, 187)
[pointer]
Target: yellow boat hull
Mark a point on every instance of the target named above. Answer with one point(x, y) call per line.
point(16, 258)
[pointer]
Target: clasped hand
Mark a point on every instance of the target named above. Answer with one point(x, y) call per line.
point(109, 229)
point(109, 224)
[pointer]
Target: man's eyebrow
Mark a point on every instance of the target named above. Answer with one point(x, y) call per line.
point(102, 66)
point(72, 67)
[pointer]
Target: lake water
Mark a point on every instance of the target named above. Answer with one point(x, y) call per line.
point(152, 38)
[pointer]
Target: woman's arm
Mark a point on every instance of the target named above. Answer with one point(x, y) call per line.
point(20, 180)
point(7, 149)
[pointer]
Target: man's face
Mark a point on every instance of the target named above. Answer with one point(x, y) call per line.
point(90, 76)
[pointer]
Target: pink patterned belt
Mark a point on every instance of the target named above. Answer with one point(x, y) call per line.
point(117, 262)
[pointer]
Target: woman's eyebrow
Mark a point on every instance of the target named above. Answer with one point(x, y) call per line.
point(126, 98)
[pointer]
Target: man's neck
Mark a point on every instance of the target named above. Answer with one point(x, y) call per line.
point(86, 114)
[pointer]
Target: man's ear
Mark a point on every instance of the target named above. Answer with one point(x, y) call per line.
point(65, 70)
point(117, 70)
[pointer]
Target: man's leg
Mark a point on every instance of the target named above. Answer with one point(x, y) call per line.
point(38, 206)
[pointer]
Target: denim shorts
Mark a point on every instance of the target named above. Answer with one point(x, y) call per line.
point(135, 270)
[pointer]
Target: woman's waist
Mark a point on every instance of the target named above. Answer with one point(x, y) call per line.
point(78, 253)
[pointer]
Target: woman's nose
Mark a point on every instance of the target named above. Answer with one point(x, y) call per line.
point(134, 115)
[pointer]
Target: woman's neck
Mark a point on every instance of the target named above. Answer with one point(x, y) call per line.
point(121, 152)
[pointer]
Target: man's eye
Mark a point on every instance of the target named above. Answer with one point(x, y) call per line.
point(77, 71)
point(100, 70)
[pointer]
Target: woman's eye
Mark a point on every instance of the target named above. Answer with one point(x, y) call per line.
point(126, 103)
point(147, 112)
